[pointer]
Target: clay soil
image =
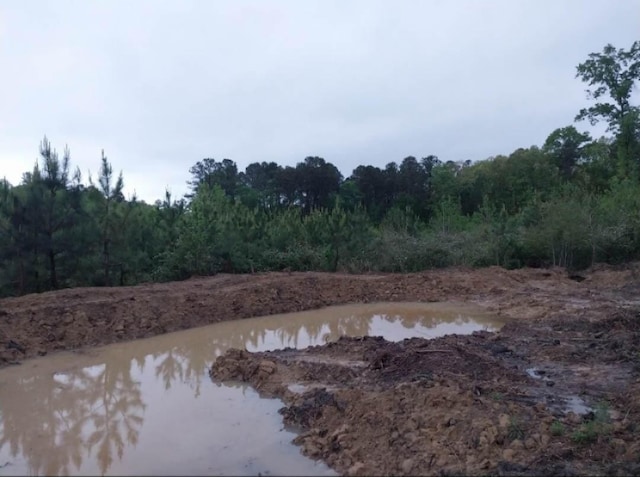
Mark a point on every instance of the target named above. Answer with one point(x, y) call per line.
point(489, 403)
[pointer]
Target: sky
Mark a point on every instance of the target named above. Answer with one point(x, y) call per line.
point(160, 85)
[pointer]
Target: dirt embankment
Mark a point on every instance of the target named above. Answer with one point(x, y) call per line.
point(480, 404)
point(84, 317)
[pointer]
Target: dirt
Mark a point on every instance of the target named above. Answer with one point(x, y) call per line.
point(487, 403)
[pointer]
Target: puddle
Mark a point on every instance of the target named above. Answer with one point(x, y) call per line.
point(577, 405)
point(541, 374)
point(536, 373)
point(561, 402)
point(148, 407)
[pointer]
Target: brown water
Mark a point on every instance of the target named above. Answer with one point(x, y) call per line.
point(148, 406)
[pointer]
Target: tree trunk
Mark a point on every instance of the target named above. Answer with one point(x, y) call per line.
point(21, 277)
point(106, 265)
point(52, 269)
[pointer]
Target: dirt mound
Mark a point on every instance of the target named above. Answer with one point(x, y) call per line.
point(85, 317)
point(452, 405)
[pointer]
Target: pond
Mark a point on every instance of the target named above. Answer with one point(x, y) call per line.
point(149, 407)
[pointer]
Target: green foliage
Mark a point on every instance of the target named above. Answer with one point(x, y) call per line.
point(598, 168)
point(508, 182)
point(596, 429)
point(515, 429)
point(557, 429)
point(342, 235)
point(573, 203)
point(196, 250)
point(614, 74)
point(402, 220)
point(566, 148)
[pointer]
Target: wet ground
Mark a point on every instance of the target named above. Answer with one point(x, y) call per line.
point(536, 398)
point(555, 392)
point(148, 407)
point(37, 324)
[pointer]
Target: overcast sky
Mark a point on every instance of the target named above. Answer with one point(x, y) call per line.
point(160, 85)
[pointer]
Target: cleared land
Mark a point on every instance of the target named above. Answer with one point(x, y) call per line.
point(489, 403)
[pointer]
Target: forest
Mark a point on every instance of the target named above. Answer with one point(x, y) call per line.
point(572, 202)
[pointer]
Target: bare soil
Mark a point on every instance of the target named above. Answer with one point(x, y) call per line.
point(488, 403)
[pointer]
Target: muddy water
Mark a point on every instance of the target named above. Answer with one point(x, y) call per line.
point(149, 407)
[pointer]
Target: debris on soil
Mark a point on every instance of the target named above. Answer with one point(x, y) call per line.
point(555, 392)
point(471, 405)
point(17, 346)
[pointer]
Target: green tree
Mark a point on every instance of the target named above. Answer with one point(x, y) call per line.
point(414, 184)
point(342, 235)
point(210, 173)
point(598, 166)
point(613, 74)
point(318, 182)
point(287, 180)
point(56, 204)
point(566, 146)
point(201, 248)
point(507, 181)
point(445, 182)
point(261, 178)
point(370, 183)
point(110, 222)
point(12, 241)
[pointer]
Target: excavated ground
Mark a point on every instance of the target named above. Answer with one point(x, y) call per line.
point(555, 392)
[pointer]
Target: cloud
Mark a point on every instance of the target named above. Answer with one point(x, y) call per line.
point(160, 85)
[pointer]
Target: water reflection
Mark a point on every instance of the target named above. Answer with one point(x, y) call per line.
point(54, 419)
point(84, 413)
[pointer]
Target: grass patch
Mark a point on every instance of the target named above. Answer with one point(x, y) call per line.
point(515, 430)
point(594, 430)
point(557, 428)
point(496, 396)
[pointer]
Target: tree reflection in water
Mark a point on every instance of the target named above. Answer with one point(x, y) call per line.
point(117, 415)
point(95, 409)
point(53, 419)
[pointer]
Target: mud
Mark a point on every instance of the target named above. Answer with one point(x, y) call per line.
point(86, 317)
point(108, 410)
point(555, 392)
point(459, 405)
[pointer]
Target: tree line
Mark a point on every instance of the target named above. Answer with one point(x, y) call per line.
point(572, 202)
